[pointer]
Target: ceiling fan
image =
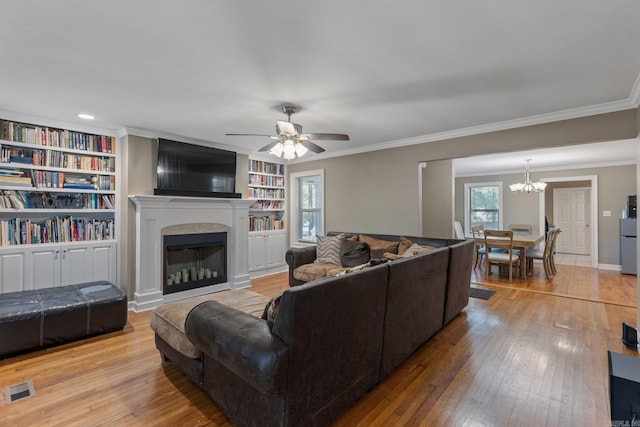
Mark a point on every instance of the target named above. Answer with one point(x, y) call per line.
point(290, 142)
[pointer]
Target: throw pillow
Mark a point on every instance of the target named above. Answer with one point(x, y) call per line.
point(271, 310)
point(417, 249)
point(403, 245)
point(378, 247)
point(354, 253)
point(328, 249)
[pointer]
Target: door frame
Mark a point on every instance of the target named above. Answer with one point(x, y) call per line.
point(593, 209)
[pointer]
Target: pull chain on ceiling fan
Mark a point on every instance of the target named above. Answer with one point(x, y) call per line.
point(290, 142)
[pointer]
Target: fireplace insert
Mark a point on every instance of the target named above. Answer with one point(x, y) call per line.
point(193, 261)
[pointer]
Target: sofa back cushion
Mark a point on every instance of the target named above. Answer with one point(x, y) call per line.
point(333, 328)
point(378, 247)
point(415, 305)
point(354, 253)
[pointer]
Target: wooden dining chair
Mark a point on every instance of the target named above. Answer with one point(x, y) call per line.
point(478, 233)
point(503, 241)
point(544, 255)
point(553, 251)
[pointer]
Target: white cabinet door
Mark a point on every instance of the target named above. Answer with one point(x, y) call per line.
point(257, 246)
point(76, 265)
point(275, 249)
point(14, 271)
point(104, 262)
point(44, 266)
point(88, 263)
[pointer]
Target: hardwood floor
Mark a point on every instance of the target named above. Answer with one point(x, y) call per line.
point(534, 354)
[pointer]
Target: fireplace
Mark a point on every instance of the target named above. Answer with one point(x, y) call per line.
point(158, 217)
point(193, 261)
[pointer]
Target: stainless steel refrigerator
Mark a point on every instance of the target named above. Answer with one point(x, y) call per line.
point(628, 247)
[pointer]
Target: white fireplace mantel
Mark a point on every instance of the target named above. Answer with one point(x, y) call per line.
point(154, 213)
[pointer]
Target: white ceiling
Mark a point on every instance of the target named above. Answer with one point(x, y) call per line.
point(385, 72)
point(614, 153)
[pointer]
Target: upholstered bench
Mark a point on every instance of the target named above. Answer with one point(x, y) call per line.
point(167, 321)
point(44, 317)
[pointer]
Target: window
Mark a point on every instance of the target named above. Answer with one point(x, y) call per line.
point(307, 219)
point(483, 205)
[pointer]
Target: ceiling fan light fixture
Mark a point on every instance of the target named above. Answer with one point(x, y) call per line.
point(289, 151)
point(300, 149)
point(277, 149)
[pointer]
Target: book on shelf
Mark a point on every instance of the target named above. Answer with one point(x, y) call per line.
point(15, 180)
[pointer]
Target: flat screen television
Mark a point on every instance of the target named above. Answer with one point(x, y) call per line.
point(195, 170)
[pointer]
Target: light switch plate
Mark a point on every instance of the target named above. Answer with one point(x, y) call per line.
point(606, 213)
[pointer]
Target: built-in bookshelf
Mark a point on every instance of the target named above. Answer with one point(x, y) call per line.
point(267, 190)
point(56, 185)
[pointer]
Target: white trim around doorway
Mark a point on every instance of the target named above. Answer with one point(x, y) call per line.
point(594, 210)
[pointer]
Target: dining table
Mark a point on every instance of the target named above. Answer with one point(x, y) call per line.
point(521, 241)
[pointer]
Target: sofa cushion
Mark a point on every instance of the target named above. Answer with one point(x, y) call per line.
point(313, 271)
point(328, 249)
point(271, 310)
point(414, 249)
point(168, 320)
point(403, 245)
point(378, 247)
point(353, 252)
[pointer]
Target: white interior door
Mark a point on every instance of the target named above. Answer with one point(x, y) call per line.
point(571, 213)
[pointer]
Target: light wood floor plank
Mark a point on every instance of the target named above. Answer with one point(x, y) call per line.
point(534, 354)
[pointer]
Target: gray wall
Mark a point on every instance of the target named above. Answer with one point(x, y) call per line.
point(615, 183)
point(437, 198)
point(378, 191)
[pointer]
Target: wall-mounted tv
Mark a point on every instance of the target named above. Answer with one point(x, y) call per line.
point(195, 170)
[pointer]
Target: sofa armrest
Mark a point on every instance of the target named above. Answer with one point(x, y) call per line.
point(296, 257)
point(240, 342)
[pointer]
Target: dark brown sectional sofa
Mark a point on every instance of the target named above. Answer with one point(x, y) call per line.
point(332, 340)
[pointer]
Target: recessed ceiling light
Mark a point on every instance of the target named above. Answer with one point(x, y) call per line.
point(86, 116)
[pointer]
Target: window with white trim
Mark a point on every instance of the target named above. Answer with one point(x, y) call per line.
point(483, 205)
point(307, 206)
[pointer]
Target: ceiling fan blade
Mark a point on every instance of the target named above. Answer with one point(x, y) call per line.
point(326, 136)
point(288, 128)
point(269, 146)
point(245, 134)
point(311, 146)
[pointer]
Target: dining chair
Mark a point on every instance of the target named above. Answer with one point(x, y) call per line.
point(503, 241)
point(457, 227)
point(553, 251)
point(520, 228)
point(478, 233)
point(544, 255)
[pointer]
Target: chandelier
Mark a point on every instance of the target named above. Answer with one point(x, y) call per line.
point(288, 149)
point(527, 185)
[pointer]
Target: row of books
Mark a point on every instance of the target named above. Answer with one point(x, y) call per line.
point(267, 204)
point(58, 159)
point(265, 223)
point(17, 199)
point(266, 193)
point(266, 180)
point(19, 231)
point(31, 134)
point(44, 179)
point(266, 167)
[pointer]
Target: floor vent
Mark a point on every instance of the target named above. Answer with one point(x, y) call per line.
point(20, 391)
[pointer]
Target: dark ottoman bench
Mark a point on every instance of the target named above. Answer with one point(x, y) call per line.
point(44, 317)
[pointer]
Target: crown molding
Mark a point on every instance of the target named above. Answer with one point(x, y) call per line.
point(589, 165)
point(153, 134)
point(573, 113)
point(634, 98)
point(59, 124)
